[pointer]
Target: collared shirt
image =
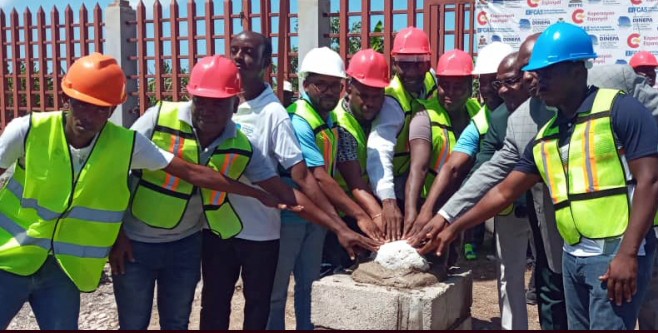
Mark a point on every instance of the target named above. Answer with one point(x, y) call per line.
point(381, 148)
point(193, 219)
point(634, 131)
point(267, 125)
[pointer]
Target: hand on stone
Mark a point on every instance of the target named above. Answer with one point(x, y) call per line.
point(392, 219)
point(427, 232)
point(352, 241)
point(370, 228)
point(419, 224)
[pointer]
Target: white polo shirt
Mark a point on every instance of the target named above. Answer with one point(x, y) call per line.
point(267, 125)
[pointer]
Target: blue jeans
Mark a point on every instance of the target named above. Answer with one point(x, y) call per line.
point(54, 298)
point(588, 306)
point(300, 253)
point(176, 266)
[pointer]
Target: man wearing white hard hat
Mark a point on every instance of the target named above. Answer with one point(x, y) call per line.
point(314, 123)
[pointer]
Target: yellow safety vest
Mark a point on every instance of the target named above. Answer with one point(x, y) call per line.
point(443, 137)
point(589, 191)
point(397, 91)
point(45, 210)
point(160, 199)
point(326, 138)
point(347, 121)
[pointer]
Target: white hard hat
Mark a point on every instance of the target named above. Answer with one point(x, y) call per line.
point(287, 86)
point(323, 60)
point(490, 57)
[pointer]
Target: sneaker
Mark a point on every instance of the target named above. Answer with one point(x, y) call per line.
point(469, 252)
point(530, 297)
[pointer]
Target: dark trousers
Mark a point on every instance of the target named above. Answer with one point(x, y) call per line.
point(223, 261)
point(550, 291)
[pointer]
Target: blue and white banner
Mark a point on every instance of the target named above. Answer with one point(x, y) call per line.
point(619, 28)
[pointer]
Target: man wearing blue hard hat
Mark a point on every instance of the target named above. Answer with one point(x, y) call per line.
point(598, 157)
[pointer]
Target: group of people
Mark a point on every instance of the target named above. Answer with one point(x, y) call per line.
point(231, 184)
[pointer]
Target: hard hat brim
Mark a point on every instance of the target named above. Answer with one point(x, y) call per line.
point(532, 66)
point(452, 72)
point(72, 93)
point(477, 71)
point(209, 93)
point(374, 83)
point(412, 50)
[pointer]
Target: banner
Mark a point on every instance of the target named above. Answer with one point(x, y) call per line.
point(618, 28)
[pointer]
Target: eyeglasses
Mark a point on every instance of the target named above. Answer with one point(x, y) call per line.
point(507, 82)
point(322, 86)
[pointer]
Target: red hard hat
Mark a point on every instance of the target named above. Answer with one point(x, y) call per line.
point(455, 63)
point(369, 68)
point(643, 58)
point(411, 40)
point(214, 77)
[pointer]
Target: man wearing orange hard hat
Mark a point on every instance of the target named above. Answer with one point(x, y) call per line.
point(61, 211)
point(163, 224)
point(644, 63)
point(388, 157)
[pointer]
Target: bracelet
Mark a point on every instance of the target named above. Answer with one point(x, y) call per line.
point(376, 216)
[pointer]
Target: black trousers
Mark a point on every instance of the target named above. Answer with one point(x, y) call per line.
point(223, 261)
point(550, 291)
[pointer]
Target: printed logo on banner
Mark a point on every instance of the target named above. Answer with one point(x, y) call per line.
point(634, 40)
point(539, 24)
point(482, 41)
point(642, 22)
point(524, 24)
point(624, 22)
point(621, 62)
point(482, 18)
point(578, 16)
point(639, 2)
point(642, 10)
point(543, 12)
point(536, 3)
point(608, 41)
point(575, 3)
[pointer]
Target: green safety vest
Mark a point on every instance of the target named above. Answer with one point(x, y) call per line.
point(347, 121)
point(397, 91)
point(45, 210)
point(160, 198)
point(325, 138)
point(443, 137)
point(589, 191)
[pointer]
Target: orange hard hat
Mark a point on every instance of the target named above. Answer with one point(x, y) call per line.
point(455, 63)
point(369, 68)
point(643, 58)
point(214, 77)
point(96, 79)
point(411, 40)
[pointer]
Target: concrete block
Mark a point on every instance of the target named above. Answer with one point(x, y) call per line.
point(339, 303)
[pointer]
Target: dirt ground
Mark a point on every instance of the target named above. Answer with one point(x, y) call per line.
point(98, 309)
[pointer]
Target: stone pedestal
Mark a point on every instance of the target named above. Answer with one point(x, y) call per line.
point(339, 303)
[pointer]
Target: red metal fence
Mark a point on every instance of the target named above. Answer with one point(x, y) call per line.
point(35, 52)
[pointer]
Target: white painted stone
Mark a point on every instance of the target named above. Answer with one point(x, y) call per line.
point(400, 255)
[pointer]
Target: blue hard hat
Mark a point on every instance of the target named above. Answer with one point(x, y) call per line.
point(558, 43)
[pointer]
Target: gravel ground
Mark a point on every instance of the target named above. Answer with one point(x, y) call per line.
point(98, 309)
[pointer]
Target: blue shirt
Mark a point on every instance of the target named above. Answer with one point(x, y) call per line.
point(632, 124)
point(312, 156)
point(469, 141)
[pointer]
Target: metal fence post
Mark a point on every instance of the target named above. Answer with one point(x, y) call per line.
point(117, 33)
point(314, 27)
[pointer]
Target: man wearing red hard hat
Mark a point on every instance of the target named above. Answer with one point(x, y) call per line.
point(355, 113)
point(166, 215)
point(388, 157)
point(62, 209)
point(434, 130)
point(644, 63)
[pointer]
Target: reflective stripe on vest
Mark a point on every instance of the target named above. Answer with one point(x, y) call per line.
point(443, 137)
point(399, 94)
point(326, 138)
point(45, 210)
point(173, 194)
point(347, 121)
point(590, 190)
